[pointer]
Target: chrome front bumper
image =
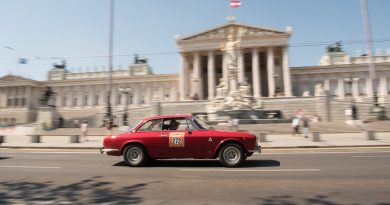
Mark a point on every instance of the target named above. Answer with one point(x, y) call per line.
point(109, 151)
point(256, 149)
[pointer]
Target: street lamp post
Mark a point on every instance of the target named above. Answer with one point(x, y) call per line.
point(108, 117)
point(377, 110)
point(127, 92)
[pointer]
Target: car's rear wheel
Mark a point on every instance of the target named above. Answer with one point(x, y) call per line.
point(231, 155)
point(135, 156)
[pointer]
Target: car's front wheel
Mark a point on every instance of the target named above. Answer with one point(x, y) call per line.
point(135, 156)
point(231, 155)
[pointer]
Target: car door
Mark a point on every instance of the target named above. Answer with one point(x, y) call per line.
point(200, 143)
point(174, 137)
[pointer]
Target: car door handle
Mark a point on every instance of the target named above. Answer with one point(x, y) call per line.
point(163, 135)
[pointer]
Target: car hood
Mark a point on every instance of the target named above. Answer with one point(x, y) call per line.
point(232, 133)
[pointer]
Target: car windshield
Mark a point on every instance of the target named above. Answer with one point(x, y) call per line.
point(199, 123)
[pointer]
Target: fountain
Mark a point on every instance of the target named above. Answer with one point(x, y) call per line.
point(233, 99)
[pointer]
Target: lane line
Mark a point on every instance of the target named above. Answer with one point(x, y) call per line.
point(337, 152)
point(379, 156)
point(250, 170)
point(31, 167)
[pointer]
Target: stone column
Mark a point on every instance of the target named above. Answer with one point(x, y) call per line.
point(114, 95)
point(28, 97)
point(211, 74)
point(90, 96)
point(355, 88)
point(172, 95)
point(2, 95)
point(369, 90)
point(383, 86)
point(197, 75)
point(161, 96)
point(149, 95)
point(340, 88)
point(286, 74)
point(136, 96)
point(256, 73)
point(327, 85)
point(58, 96)
point(270, 69)
point(183, 77)
point(241, 66)
point(225, 68)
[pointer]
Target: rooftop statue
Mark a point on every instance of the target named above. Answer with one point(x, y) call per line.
point(139, 60)
point(336, 47)
point(60, 66)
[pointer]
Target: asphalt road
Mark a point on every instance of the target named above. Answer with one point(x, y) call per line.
point(322, 176)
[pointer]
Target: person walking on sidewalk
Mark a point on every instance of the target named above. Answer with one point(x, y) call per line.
point(305, 125)
point(295, 126)
point(84, 130)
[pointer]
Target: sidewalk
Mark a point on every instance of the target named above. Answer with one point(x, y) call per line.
point(272, 141)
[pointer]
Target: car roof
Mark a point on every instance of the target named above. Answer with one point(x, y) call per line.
point(168, 116)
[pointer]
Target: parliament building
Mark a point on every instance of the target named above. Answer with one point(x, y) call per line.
point(325, 90)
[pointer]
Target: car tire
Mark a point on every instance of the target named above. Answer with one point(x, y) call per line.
point(231, 155)
point(135, 156)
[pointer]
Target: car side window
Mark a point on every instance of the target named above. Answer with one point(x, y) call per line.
point(151, 125)
point(174, 124)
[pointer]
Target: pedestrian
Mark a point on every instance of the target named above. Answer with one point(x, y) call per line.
point(76, 123)
point(295, 126)
point(305, 124)
point(109, 124)
point(235, 123)
point(84, 130)
point(230, 125)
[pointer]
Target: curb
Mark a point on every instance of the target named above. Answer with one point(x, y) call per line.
point(294, 147)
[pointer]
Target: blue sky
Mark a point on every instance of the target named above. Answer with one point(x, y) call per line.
point(45, 31)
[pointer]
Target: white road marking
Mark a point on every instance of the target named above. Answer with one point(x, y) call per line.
point(30, 167)
point(372, 156)
point(250, 170)
point(320, 152)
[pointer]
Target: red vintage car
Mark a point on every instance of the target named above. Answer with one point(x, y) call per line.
point(180, 136)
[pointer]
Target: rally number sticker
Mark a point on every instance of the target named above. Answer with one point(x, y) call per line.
point(176, 139)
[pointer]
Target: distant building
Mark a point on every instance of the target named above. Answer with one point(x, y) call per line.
point(263, 62)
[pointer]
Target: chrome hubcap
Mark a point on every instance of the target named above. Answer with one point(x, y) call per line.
point(134, 155)
point(232, 155)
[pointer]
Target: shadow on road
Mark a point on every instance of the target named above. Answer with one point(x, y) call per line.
point(1, 158)
point(90, 191)
point(202, 163)
point(320, 199)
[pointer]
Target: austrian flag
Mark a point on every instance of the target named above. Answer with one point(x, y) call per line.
point(235, 3)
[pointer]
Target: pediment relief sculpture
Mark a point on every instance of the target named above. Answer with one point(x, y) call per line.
point(222, 32)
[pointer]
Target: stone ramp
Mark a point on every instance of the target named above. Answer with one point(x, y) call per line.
point(322, 127)
point(100, 131)
point(275, 128)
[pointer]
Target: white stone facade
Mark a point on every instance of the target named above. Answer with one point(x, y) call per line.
point(263, 63)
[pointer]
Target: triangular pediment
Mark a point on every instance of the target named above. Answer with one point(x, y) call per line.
point(221, 32)
point(14, 78)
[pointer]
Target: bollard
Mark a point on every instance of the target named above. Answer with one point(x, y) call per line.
point(370, 135)
point(1, 139)
point(263, 137)
point(35, 138)
point(316, 136)
point(75, 139)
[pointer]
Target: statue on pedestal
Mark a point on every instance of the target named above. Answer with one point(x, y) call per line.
point(221, 89)
point(47, 95)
